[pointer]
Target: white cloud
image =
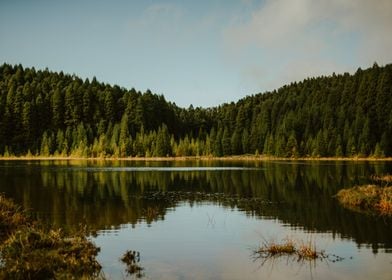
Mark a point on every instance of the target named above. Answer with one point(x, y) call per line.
point(373, 20)
point(290, 40)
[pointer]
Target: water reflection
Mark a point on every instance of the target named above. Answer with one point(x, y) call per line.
point(107, 194)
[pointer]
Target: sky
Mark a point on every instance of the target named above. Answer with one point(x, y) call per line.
point(202, 53)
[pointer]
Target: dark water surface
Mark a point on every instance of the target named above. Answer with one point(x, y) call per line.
point(201, 220)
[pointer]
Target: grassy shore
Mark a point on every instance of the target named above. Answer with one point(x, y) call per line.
point(201, 158)
point(30, 251)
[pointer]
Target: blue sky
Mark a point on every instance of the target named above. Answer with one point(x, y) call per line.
point(197, 52)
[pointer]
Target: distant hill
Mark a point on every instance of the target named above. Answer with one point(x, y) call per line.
point(46, 113)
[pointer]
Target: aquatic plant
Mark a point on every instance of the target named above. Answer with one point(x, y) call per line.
point(368, 198)
point(301, 251)
point(386, 178)
point(131, 260)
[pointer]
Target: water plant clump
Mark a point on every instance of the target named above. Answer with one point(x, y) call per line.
point(368, 198)
point(298, 250)
point(386, 178)
point(132, 259)
point(31, 251)
point(11, 217)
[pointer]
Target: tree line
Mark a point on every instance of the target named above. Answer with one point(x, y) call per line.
point(48, 113)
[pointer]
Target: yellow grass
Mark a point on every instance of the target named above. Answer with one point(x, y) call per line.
point(387, 178)
point(202, 158)
point(368, 198)
point(300, 250)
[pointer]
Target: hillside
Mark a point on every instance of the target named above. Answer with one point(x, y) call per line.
point(46, 113)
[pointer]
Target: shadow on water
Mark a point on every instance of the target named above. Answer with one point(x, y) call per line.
point(108, 194)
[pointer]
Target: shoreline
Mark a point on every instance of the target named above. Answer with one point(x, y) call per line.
point(194, 158)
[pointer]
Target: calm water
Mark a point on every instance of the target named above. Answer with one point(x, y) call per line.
point(201, 220)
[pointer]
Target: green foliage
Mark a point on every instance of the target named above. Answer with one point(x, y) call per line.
point(162, 144)
point(50, 113)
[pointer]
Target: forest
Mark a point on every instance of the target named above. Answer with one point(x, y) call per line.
point(44, 113)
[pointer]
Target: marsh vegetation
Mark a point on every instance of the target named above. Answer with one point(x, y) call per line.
point(373, 199)
point(31, 251)
point(295, 250)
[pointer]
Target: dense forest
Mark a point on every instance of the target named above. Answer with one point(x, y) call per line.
point(46, 113)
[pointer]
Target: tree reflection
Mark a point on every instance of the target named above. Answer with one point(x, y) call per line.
point(66, 193)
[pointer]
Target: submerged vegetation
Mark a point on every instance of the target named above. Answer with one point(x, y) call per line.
point(30, 251)
point(43, 113)
point(368, 198)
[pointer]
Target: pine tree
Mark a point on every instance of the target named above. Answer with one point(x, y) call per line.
point(46, 144)
point(292, 146)
point(109, 107)
point(218, 150)
point(339, 115)
point(162, 145)
point(245, 141)
point(226, 142)
point(27, 123)
point(235, 141)
point(124, 139)
point(58, 109)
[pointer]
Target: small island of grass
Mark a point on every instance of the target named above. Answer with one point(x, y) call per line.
point(375, 199)
point(295, 250)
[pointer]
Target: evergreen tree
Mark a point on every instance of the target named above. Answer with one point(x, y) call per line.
point(162, 145)
point(236, 143)
point(58, 109)
point(339, 115)
point(226, 142)
point(292, 146)
point(125, 138)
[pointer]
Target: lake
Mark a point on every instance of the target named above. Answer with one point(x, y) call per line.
point(204, 219)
